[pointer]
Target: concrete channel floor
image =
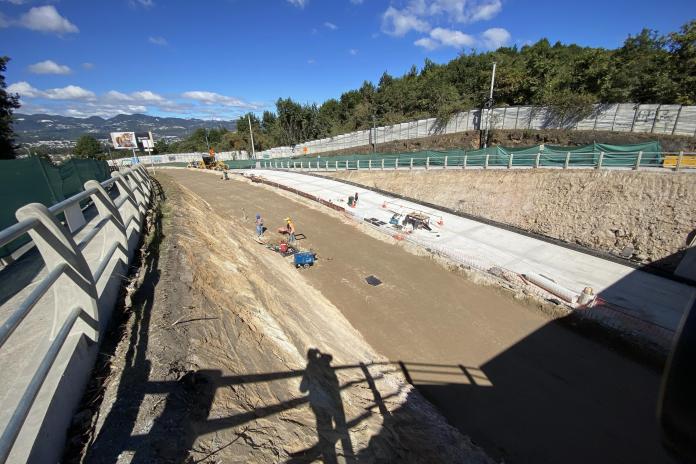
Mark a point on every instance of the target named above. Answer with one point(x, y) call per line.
point(650, 298)
point(525, 389)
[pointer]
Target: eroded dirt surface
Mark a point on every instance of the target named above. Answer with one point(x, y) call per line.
point(524, 388)
point(229, 355)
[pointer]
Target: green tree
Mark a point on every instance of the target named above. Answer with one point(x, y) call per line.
point(87, 147)
point(161, 146)
point(8, 103)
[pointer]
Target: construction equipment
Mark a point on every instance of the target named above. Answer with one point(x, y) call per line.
point(209, 162)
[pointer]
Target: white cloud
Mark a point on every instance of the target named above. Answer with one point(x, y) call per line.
point(88, 66)
point(427, 43)
point(24, 89)
point(299, 3)
point(145, 3)
point(70, 92)
point(451, 38)
point(212, 98)
point(49, 67)
point(399, 22)
point(356, 2)
point(422, 15)
point(353, 51)
point(495, 38)
point(158, 40)
point(16, 2)
point(47, 19)
point(331, 26)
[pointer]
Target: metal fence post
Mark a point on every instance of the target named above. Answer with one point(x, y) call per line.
point(464, 162)
point(485, 162)
point(510, 161)
point(679, 161)
point(567, 160)
point(369, 164)
point(382, 164)
point(537, 159)
point(396, 164)
point(427, 162)
point(445, 162)
point(601, 160)
point(411, 166)
point(357, 165)
point(640, 156)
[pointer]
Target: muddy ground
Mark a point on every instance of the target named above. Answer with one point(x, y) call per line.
point(229, 354)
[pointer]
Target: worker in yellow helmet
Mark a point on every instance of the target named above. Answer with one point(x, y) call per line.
point(288, 230)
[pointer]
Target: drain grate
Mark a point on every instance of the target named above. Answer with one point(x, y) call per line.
point(372, 280)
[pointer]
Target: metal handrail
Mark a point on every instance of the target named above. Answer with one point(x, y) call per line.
point(9, 326)
point(14, 426)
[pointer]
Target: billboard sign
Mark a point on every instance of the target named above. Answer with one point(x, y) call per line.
point(124, 140)
point(132, 141)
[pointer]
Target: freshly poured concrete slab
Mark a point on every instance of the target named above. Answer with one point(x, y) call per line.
point(648, 297)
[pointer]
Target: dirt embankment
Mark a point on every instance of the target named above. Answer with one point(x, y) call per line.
point(226, 358)
point(603, 210)
point(522, 138)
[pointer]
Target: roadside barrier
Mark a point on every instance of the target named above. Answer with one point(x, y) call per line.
point(85, 263)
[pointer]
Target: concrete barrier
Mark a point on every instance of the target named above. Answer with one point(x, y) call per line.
point(46, 361)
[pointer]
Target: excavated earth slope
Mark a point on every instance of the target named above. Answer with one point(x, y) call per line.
point(226, 359)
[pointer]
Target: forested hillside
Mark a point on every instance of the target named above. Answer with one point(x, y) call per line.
point(648, 68)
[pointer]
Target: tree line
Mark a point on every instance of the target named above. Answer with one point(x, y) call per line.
point(569, 79)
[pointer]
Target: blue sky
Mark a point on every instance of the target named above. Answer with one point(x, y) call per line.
point(221, 58)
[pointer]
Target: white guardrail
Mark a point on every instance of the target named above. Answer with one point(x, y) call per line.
point(85, 263)
point(571, 160)
point(617, 117)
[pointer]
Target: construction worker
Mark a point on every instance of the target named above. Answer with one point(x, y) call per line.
point(259, 226)
point(289, 229)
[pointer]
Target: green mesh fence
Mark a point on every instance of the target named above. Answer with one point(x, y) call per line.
point(545, 155)
point(36, 180)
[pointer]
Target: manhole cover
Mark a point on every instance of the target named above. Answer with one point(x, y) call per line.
point(372, 280)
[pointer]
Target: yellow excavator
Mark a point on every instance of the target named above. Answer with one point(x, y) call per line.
point(209, 162)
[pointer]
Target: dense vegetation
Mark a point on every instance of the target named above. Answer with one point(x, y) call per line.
point(8, 103)
point(648, 68)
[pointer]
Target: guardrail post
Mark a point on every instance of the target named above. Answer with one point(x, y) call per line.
point(77, 286)
point(510, 161)
point(115, 229)
point(679, 161)
point(138, 190)
point(427, 162)
point(485, 162)
point(600, 160)
point(640, 156)
point(537, 159)
point(130, 205)
point(567, 160)
point(464, 162)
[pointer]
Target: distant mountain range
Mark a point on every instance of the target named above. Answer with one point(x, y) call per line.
point(33, 128)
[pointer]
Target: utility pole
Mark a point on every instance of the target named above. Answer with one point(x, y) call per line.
point(374, 134)
point(251, 133)
point(489, 107)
